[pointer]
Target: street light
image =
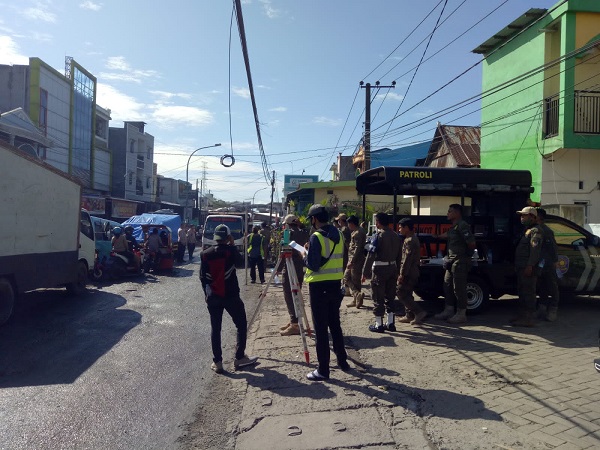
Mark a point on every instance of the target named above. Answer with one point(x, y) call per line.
point(187, 171)
point(261, 189)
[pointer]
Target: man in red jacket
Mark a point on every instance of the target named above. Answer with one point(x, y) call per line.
point(222, 293)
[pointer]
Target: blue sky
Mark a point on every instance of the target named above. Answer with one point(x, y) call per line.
point(171, 65)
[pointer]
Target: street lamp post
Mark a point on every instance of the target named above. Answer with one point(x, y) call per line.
point(187, 171)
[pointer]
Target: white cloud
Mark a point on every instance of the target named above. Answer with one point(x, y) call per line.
point(390, 96)
point(169, 95)
point(326, 121)
point(123, 107)
point(424, 113)
point(169, 116)
point(270, 11)
point(241, 92)
point(9, 52)
point(39, 12)
point(279, 109)
point(124, 72)
point(91, 6)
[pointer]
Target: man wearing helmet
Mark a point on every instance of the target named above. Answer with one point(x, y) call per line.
point(222, 293)
point(120, 244)
point(325, 270)
point(132, 245)
point(300, 236)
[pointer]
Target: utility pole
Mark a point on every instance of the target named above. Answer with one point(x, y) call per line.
point(367, 137)
point(272, 192)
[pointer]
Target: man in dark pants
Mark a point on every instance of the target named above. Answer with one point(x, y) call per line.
point(222, 292)
point(382, 264)
point(527, 258)
point(356, 259)
point(547, 279)
point(256, 255)
point(461, 245)
point(409, 274)
point(300, 236)
point(324, 262)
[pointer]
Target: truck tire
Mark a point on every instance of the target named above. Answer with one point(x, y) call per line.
point(7, 299)
point(78, 287)
point(478, 295)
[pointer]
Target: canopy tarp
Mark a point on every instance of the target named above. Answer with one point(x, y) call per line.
point(173, 221)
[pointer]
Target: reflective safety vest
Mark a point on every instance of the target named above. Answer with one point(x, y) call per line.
point(333, 269)
point(262, 248)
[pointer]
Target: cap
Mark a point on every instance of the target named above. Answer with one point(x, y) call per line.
point(528, 210)
point(353, 219)
point(342, 217)
point(290, 218)
point(221, 232)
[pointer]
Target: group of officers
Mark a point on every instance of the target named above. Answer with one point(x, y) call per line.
point(339, 257)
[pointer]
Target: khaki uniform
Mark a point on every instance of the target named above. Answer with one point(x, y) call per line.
point(528, 253)
point(409, 270)
point(547, 283)
point(347, 237)
point(300, 235)
point(356, 257)
point(382, 265)
point(455, 278)
point(266, 233)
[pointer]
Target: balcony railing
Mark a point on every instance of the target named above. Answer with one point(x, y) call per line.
point(551, 111)
point(587, 112)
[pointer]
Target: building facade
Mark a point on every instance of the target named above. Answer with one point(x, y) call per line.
point(132, 162)
point(541, 105)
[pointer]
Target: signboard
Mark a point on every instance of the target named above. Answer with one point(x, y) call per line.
point(96, 206)
point(123, 208)
point(291, 182)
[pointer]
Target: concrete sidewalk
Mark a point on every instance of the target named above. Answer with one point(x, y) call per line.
point(481, 386)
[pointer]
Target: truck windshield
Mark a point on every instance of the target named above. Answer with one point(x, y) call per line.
point(234, 223)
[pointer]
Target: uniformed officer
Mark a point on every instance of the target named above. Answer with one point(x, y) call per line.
point(342, 221)
point(382, 264)
point(527, 259)
point(461, 244)
point(409, 274)
point(547, 279)
point(325, 269)
point(356, 259)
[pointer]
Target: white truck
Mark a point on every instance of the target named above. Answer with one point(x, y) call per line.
point(46, 240)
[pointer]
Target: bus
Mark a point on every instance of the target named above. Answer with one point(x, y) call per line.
point(236, 227)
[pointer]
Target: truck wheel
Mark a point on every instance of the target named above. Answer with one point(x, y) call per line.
point(7, 300)
point(78, 287)
point(478, 295)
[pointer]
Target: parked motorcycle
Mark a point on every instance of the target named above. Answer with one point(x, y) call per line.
point(151, 261)
point(99, 267)
point(119, 265)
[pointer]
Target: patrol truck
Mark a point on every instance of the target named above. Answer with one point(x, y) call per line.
point(490, 199)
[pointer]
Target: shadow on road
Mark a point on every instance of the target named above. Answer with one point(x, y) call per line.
point(53, 338)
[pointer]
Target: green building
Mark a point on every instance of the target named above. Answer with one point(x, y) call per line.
point(541, 105)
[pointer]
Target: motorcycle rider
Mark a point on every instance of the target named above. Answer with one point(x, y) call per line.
point(132, 244)
point(120, 245)
point(153, 244)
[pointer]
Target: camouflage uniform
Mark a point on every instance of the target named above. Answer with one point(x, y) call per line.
point(548, 280)
point(528, 253)
point(409, 270)
point(356, 256)
point(383, 261)
point(455, 278)
point(347, 238)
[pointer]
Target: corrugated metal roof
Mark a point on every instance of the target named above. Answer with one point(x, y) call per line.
point(455, 146)
point(510, 30)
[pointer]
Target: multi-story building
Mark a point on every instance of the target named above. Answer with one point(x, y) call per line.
point(541, 105)
point(133, 162)
point(63, 107)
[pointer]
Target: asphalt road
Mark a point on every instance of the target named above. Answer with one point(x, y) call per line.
point(124, 366)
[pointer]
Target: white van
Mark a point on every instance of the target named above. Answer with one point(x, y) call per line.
point(236, 227)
